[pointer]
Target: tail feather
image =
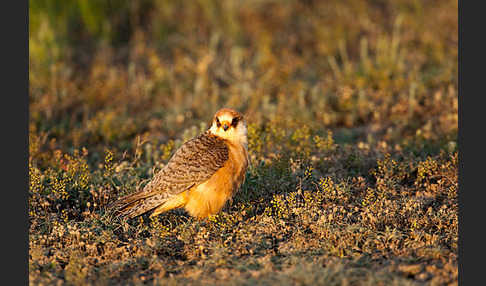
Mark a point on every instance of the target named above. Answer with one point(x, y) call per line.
point(138, 203)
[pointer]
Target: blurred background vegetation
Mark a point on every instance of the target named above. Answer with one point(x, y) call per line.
point(102, 72)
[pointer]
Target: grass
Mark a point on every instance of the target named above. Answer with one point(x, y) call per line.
point(352, 111)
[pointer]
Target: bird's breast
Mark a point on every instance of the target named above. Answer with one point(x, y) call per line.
point(211, 196)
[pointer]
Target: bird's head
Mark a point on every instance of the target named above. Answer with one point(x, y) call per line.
point(229, 124)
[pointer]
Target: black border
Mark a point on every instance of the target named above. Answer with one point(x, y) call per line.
point(15, 117)
point(471, 125)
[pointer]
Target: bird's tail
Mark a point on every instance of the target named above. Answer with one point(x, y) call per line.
point(136, 204)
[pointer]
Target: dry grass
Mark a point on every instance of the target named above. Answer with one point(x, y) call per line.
point(352, 137)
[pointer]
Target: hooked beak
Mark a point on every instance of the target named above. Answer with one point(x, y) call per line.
point(225, 124)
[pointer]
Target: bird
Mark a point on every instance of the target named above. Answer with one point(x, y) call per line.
point(201, 176)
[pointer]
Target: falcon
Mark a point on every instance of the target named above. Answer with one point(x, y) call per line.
point(201, 176)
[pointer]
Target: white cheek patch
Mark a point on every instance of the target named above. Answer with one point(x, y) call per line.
point(213, 128)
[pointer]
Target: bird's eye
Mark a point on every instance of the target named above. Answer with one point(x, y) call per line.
point(217, 122)
point(234, 122)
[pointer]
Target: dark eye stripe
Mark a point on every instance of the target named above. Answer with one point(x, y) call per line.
point(234, 122)
point(217, 122)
